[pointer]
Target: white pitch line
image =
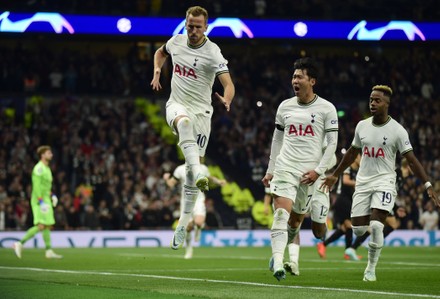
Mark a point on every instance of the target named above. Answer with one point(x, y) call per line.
point(265, 269)
point(260, 258)
point(220, 281)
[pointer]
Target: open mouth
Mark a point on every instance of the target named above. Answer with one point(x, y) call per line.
point(296, 88)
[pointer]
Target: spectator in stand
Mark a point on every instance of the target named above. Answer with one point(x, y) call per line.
point(213, 219)
point(429, 219)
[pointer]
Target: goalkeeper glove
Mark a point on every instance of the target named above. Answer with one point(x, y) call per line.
point(54, 200)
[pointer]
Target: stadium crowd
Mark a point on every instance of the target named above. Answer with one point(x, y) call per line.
point(108, 161)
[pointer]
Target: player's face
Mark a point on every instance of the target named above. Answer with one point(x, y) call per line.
point(378, 103)
point(302, 84)
point(196, 28)
point(47, 155)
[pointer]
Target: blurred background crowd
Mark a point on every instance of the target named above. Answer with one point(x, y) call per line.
point(79, 96)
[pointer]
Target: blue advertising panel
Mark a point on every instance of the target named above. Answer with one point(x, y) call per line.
point(56, 23)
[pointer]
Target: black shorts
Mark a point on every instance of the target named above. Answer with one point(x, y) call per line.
point(342, 210)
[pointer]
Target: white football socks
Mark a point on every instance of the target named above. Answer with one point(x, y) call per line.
point(278, 236)
point(375, 245)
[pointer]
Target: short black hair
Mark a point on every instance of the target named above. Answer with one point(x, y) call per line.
point(308, 64)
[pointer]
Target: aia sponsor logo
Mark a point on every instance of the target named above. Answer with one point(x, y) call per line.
point(374, 152)
point(301, 130)
point(184, 71)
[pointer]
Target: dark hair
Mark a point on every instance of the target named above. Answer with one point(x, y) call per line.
point(307, 64)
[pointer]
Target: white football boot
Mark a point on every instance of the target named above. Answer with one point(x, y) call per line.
point(18, 248)
point(178, 237)
point(52, 255)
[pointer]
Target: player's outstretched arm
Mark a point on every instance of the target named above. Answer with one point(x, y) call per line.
point(170, 180)
point(229, 90)
point(346, 161)
point(217, 181)
point(159, 59)
point(418, 170)
point(267, 200)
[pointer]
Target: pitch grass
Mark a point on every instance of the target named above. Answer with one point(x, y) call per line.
point(406, 272)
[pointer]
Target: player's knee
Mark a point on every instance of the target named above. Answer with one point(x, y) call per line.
point(280, 218)
point(360, 230)
point(185, 129)
point(374, 245)
point(295, 220)
point(376, 226)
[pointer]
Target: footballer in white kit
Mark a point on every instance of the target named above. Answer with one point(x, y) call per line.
point(296, 161)
point(196, 63)
point(377, 139)
point(301, 130)
point(194, 72)
point(376, 178)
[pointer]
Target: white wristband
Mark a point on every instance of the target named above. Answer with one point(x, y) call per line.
point(427, 185)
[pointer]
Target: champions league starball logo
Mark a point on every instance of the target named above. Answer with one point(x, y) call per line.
point(56, 20)
point(53, 22)
point(237, 26)
point(360, 32)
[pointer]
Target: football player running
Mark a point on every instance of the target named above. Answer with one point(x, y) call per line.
point(378, 139)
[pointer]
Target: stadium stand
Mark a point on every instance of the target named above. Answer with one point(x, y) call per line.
point(82, 97)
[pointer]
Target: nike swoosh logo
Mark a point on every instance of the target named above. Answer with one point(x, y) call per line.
point(174, 244)
point(362, 138)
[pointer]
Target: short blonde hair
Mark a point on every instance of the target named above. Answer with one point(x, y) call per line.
point(385, 89)
point(197, 11)
point(42, 149)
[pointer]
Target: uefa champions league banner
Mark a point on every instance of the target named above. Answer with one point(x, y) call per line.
point(57, 23)
point(211, 238)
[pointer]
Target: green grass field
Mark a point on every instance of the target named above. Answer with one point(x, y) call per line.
point(406, 272)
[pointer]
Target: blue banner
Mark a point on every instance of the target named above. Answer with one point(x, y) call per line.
point(56, 23)
point(209, 238)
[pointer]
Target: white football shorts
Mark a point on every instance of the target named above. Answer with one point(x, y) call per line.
point(286, 184)
point(201, 123)
point(319, 202)
point(378, 198)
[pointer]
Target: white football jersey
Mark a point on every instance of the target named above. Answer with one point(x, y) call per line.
point(194, 72)
point(304, 127)
point(379, 145)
